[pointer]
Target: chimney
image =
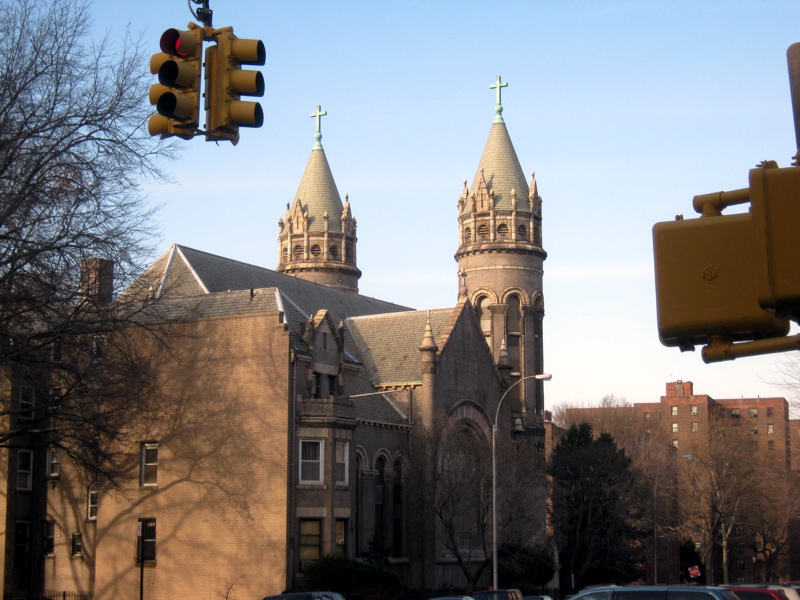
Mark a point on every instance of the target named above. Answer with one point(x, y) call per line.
point(97, 280)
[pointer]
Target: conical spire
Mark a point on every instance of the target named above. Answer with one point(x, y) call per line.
point(317, 236)
point(499, 168)
point(317, 191)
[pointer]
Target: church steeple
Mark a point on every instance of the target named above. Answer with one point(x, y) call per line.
point(500, 258)
point(317, 236)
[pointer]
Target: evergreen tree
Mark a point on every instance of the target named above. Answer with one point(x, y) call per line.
point(595, 510)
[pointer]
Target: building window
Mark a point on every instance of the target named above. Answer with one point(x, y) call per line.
point(754, 429)
point(53, 466)
point(25, 470)
point(753, 412)
point(770, 445)
point(22, 547)
point(149, 464)
point(694, 427)
point(98, 347)
point(311, 461)
point(693, 410)
point(674, 411)
point(769, 412)
point(77, 544)
point(49, 538)
point(674, 428)
point(675, 443)
point(341, 536)
point(146, 541)
point(397, 509)
point(646, 416)
point(92, 498)
point(341, 463)
point(735, 413)
point(770, 429)
point(27, 401)
point(310, 541)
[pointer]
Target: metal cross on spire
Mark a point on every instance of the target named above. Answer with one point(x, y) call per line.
point(318, 114)
point(498, 107)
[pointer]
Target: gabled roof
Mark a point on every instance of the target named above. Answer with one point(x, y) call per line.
point(388, 345)
point(183, 271)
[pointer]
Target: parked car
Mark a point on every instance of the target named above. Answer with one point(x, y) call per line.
point(452, 598)
point(790, 592)
point(655, 592)
point(497, 595)
point(757, 593)
point(537, 598)
point(306, 596)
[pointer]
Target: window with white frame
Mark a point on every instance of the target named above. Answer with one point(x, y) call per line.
point(92, 497)
point(311, 452)
point(694, 427)
point(693, 410)
point(753, 413)
point(53, 465)
point(674, 428)
point(674, 411)
point(770, 429)
point(341, 462)
point(25, 470)
point(149, 464)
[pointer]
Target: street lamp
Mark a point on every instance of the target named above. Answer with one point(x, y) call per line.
point(541, 377)
point(655, 522)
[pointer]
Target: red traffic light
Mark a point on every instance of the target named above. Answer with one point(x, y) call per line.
point(178, 43)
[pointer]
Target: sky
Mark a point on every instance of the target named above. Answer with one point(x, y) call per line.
point(624, 109)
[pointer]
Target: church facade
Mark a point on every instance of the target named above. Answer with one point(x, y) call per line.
point(292, 412)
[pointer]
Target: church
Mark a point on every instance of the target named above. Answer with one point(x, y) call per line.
point(293, 411)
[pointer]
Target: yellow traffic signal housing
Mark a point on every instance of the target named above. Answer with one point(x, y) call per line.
point(177, 93)
point(227, 82)
point(775, 200)
point(707, 282)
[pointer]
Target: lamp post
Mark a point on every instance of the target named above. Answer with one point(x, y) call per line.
point(541, 377)
point(655, 505)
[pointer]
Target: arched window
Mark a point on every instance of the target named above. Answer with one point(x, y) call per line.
point(467, 235)
point(360, 545)
point(334, 252)
point(502, 230)
point(522, 233)
point(483, 231)
point(379, 540)
point(514, 315)
point(397, 510)
point(514, 331)
point(298, 251)
point(484, 315)
point(316, 250)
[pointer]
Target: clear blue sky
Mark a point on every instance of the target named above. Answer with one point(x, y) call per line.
point(625, 110)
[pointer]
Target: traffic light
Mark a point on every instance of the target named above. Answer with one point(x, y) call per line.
point(227, 82)
point(177, 93)
point(723, 279)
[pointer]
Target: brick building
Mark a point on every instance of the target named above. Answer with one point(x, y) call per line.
point(288, 406)
point(684, 420)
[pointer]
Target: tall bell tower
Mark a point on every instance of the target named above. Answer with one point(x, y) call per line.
point(317, 236)
point(500, 261)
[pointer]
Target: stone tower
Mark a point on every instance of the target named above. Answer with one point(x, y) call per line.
point(500, 262)
point(317, 236)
